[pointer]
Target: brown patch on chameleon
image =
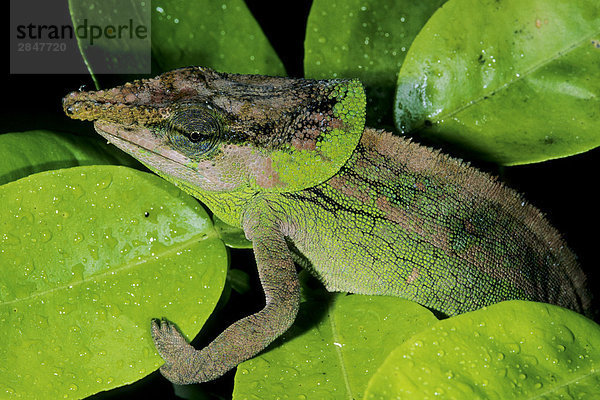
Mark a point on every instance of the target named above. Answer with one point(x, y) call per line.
point(414, 275)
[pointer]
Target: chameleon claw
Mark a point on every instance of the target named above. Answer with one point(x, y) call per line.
point(167, 339)
point(175, 350)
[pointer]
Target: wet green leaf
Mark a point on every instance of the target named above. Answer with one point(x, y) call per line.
point(514, 81)
point(511, 350)
point(232, 236)
point(333, 355)
point(89, 256)
point(365, 39)
point(25, 153)
point(113, 35)
point(239, 280)
point(221, 35)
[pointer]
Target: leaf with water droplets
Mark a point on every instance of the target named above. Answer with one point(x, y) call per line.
point(331, 353)
point(512, 82)
point(365, 39)
point(221, 35)
point(510, 350)
point(84, 271)
point(113, 35)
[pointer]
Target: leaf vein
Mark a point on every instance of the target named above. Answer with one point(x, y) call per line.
point(340, 356)
point(565, 384)
point(92, 278)
point(527, 72)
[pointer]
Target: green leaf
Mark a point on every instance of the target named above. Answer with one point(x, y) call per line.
point(232, 236)
point(365, 39)
point(113, 35)
point(239, 280)
point(332, 355)
point(25, 153)
point(89, 256)
point(221, 35)
point(511, 350)
point(515, 82)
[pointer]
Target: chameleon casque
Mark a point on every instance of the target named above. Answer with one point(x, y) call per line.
point(291, 162)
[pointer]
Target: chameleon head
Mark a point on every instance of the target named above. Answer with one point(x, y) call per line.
point(226, 132)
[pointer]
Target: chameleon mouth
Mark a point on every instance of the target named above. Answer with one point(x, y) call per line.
point(134, 139)
point(141, 144)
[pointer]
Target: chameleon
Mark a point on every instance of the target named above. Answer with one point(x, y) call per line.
point(290, 161)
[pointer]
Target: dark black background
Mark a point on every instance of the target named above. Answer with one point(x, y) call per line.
point(564, 189)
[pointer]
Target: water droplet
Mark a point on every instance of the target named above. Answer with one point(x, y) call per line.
point(28, 269)
point(565, 334)
point(76, 190)
point(513, 347)
point(9, 390)
point(78, 237)
point(9, 240)
point(110, 241)
point(94, 252)
point(46, 235)
point(77, 272)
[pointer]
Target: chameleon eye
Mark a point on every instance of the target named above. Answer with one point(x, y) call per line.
point(194, 130)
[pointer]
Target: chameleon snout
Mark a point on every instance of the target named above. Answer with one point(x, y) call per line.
point(107, 106)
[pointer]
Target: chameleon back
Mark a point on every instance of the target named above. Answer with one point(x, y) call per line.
point(400, 219)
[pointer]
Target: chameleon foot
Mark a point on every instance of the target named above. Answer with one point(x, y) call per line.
point(181, 359)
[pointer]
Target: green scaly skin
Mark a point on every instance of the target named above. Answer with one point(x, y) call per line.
point(290, 161)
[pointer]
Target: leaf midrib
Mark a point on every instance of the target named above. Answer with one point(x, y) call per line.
point(340, 356)
point(564, 384)
point(528, 72)
point(130, 264)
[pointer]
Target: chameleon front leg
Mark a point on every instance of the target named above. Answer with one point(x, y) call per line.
point(246, 337)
